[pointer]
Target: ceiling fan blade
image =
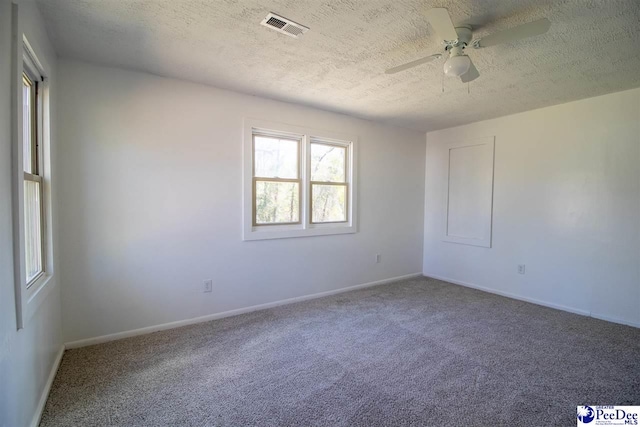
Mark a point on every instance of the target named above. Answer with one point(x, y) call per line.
point(531, 29)
point(440, 20)
point(470, 75)
point(413, 64)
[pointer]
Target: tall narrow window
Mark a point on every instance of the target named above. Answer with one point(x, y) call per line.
point(276, 180)
point(33, 191)
point(329, 187)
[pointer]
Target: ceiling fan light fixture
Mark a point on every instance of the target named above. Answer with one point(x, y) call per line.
point(457, 65)
point(456, 39)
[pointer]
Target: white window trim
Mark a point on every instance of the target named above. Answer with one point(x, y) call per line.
point(28, 300)
point(305, 228)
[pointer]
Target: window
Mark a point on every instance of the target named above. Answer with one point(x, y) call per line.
point(276, 180)
point(329, 186)
point(298, 182)
point(33, 210)
point(33, 265)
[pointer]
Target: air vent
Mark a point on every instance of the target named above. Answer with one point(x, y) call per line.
point(284, 25)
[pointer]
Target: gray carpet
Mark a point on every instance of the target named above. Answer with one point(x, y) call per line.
point(417, 352)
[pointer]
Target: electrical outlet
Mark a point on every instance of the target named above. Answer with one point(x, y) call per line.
point(208, 286)
point(521, 268)
point(378, 258)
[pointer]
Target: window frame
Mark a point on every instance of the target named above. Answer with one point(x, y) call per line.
point(345, 183)
point(31, 73)
point(305, 228)
point(30, 295)
point(298, 140)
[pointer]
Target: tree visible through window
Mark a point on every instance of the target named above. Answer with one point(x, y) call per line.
point(297, 181)
point(276, 180)
point(328, 182)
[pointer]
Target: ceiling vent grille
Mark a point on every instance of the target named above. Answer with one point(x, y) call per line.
point(284, 25)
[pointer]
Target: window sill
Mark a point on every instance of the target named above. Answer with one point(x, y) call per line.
point(286, 232)
point(37, 293)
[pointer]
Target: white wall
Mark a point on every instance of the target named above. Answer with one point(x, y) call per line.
point(566, 204)
point(27, 356)
point(151, 199)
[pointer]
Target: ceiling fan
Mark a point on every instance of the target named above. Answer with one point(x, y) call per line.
point(456, 39)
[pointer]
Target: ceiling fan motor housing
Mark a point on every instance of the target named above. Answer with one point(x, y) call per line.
point(455, 47)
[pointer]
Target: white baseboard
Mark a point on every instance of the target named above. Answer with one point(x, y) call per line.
point(510, 295)
point(207, 318)
point(533, 300)
point(35, 421)
point(615, 320)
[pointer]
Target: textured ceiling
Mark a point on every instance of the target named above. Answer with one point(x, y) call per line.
point(593, 48)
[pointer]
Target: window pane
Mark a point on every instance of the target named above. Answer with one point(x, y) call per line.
point(327, 163)
point(32, 229)
point(27, 119)
point(329, 203)
point(277, 202)
point(275, 158)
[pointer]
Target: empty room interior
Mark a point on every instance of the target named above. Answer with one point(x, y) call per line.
point(319, 213)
